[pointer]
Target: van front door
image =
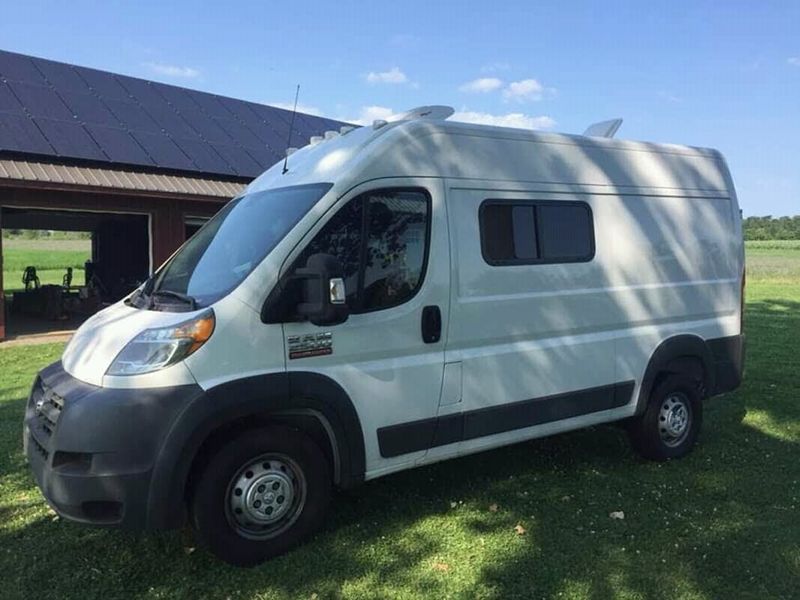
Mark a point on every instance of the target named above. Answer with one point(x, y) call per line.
point(389, 355)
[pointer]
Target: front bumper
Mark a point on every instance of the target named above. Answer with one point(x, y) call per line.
point(93, 450)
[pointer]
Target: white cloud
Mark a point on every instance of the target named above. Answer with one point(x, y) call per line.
point(794, 61)
point(368, 114)
point(482, 85)
point(303, 108)
point(173, 70)
point(393, 75)
point(519, 120)
point(524, 90)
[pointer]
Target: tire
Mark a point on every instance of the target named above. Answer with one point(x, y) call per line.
point(260, 495)
point(671, 422)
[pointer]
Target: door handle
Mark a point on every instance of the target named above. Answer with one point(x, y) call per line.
point(431, 324)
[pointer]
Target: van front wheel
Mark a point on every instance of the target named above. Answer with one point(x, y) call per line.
point(671, 422)
point(263, 493)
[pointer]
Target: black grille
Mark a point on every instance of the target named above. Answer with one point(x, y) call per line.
point(45, 454)
point(47, 405)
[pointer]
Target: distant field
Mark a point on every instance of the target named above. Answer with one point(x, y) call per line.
point(55, 246)
point(773, 260)
point(773, 245)
point(50, 257)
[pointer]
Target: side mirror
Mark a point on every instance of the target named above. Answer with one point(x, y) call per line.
point(322, 290)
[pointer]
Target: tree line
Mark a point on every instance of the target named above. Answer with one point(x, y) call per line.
point(772, 228)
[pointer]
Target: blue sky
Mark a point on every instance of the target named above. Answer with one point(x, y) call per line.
point(719, 74)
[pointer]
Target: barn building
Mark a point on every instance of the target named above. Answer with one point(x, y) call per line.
point(139, 164)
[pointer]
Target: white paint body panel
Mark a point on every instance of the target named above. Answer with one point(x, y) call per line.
point(669, 260)
point(379, 358)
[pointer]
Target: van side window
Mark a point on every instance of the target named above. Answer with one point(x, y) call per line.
point(565, 232)
point(341, 237)
point(397, 240)
point(381, 238)
point(526, 232)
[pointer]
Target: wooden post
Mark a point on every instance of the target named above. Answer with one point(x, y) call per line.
point(168, 231)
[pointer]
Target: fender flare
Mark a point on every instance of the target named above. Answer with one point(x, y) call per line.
point(236, 399)
point(672, 354)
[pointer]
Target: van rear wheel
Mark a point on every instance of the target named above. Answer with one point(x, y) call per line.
point(671, 422)
point(263, 493)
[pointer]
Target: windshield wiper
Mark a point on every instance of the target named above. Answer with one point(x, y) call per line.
point(137, 299)
point(141, 296)
point(171, 294)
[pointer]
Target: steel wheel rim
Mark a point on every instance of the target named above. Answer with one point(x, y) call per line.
point(674, 419)
point(265, 496)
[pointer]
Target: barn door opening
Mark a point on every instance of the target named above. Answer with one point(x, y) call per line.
point(61, 266)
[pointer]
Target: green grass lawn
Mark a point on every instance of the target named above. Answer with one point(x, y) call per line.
point(722, 523)
point(50, 257)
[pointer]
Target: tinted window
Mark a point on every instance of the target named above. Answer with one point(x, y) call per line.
point(565, 232)
point(522, 220)
point(535, 232)
point(497, 232)
point(381, 239)
point(397, 224)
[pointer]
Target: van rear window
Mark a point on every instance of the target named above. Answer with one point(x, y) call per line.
point(518, 232)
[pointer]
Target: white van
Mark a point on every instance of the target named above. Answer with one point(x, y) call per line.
point(397, 295)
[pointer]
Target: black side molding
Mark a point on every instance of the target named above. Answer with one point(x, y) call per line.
point(439, 431)
point(728, 353)
point(721, 361)
point(686, 347)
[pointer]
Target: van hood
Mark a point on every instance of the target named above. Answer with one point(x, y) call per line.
point(100, 339)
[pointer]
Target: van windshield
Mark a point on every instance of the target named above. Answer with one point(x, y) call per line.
point(226, 249)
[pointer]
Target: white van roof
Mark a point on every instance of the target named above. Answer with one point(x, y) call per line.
point(454, 150)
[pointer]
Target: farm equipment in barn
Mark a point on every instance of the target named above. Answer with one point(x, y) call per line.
point(50, 301)
point(60, 302)
point(38, 300)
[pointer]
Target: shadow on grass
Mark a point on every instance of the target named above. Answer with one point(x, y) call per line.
point(722, 523)
point(773, 360)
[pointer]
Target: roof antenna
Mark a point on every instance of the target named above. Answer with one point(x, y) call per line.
point(291, 129)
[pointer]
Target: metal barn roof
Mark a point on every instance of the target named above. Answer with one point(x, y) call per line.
point(56, 176)
point(71, 113)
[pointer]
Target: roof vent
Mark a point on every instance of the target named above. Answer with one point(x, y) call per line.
point(436, 112)
point(345, 129)
point(378, 123)
point(330, 134)
point(605, 129)
point(315, 139)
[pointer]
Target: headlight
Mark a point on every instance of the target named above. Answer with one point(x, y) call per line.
point(154, 349)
